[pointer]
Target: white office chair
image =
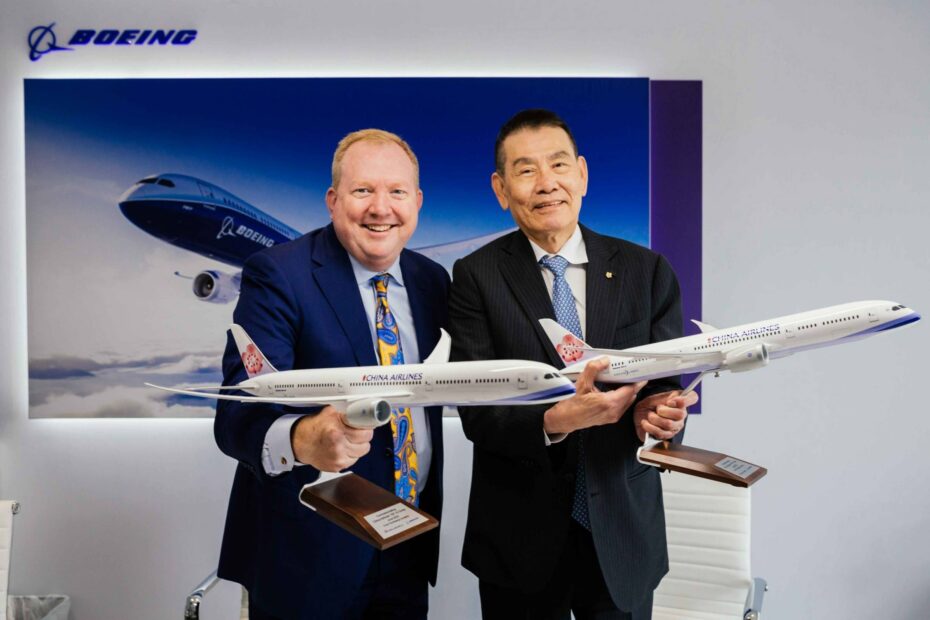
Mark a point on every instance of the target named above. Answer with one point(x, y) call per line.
point(7, 510)
point(708, 529)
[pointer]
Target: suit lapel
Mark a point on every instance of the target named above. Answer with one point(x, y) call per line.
point(421, 308)
point(336, 280)
point(522, 275)
point(604, 292)
point(422, 304)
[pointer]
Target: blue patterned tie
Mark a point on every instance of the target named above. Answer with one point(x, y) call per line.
point(563, 302)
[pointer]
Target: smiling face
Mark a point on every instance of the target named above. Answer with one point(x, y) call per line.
point(375, 206)
point(542, 184)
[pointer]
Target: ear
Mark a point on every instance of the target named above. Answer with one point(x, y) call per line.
point(583, 170)
point(497, 184)
point(419, 199)
point(330, 201)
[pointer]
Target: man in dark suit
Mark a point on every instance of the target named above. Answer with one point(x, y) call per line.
point(311, 303)
point(561, 516)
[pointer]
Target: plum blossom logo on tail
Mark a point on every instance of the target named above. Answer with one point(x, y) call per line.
point(570, 349)
point(42, 40)
point(252, 360)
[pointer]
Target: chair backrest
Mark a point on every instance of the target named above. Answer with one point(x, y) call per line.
point(7, 510)
point(707, 525)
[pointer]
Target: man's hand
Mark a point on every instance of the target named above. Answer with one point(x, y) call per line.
point(662, 415)
point(324, 441)
point(589, 406)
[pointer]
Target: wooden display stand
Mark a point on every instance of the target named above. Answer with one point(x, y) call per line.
point(367, 511)
point(703, 463)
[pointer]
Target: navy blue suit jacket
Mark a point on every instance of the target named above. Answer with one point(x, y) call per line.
point(300, 303)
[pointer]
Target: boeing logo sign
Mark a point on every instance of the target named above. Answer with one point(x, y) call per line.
point(42, 39)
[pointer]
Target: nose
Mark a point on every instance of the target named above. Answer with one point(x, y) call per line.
point(380, 204)
point(546, 181)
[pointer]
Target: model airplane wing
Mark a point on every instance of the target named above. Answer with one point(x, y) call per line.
point(288, 400)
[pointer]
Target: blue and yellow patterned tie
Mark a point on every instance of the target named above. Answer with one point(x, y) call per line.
point(563, 302)
point(390, 352)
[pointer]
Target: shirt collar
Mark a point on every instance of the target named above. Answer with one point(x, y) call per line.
point(363, 275)
point(574, 250)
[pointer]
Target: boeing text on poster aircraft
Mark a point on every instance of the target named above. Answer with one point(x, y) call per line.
point(367, 393)
point(201, 217)
point(737, 349)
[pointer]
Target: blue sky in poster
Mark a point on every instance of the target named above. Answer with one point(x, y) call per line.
point(270, 142)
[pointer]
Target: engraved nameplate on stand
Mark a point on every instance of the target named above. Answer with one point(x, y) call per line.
point(367, 511)
point(703, 463)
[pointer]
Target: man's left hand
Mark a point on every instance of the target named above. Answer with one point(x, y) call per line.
point(662, 415)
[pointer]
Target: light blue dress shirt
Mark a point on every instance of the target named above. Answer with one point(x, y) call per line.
point(277, 453)
point(576, 253)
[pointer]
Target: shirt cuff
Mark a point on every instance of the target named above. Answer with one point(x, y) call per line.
point(277, 451)
point(553, 438)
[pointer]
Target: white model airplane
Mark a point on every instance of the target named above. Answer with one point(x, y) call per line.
point(367, 393)
point(737, 349)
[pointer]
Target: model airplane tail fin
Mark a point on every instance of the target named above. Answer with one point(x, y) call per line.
point(440, 354)
point(569, 347)
point(255, 362)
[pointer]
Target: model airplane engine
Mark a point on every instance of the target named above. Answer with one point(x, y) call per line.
point(747, 358)
point(216, 287)
point(368, 413)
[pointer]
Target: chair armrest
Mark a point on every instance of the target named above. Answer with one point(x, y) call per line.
point(192, 604)
point(754, 599)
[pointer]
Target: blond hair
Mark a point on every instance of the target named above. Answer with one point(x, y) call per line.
point(371, 135)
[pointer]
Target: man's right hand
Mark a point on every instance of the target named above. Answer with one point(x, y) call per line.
point(326, 442)
point(589, 406)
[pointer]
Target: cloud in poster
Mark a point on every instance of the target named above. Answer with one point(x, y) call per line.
point(65, 366)
point(113, 385)
point(116, 402)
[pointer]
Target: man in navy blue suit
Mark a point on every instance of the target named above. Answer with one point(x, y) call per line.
point(311, 303)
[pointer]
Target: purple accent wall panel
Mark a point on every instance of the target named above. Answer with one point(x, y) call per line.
point(675, 187)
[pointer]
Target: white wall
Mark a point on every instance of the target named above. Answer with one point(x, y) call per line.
point(817, 178)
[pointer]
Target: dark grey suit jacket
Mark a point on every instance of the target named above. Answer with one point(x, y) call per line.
point(521, 492)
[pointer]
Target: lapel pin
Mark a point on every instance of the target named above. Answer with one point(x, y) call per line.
point(609, 274)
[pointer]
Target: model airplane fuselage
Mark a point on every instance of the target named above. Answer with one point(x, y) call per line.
point(737, 349)
point(367, 393)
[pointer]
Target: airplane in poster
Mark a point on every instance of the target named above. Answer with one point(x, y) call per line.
point(366, 393)
point(737, 349)
point(203, 218)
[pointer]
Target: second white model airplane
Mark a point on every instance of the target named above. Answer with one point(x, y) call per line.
point(367, 393)
point(737, 349)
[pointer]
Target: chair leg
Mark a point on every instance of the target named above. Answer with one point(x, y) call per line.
point(753, 607)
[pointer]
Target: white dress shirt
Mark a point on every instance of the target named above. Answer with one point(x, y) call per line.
point(277, 453)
